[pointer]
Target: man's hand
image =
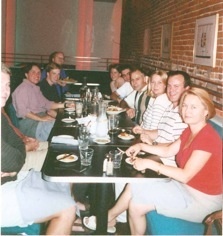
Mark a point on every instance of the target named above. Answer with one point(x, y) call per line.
point(8, 174)
point(31, 144)
point(138, 129)
point(61, 82)
point(131, 113)
point(46, 118)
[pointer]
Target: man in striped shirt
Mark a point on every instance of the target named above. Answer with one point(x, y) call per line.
point(171, 125)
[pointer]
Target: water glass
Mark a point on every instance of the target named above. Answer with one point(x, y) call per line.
point(83, 141)
point(83, 131)
point(79, 108)
point(116, 158)
point(86, 156)
point(113, 122)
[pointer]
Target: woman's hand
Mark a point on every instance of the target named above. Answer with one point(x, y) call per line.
point(139, 163)
point(138, 129)
point(133, 150)
point(146, 139)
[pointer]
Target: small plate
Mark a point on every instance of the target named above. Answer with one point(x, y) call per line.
point(69, 81)
point(68, 120)
point(101, 140)
point(70, 99)
point(126, 137)
point(68, 159)
point(113, 110)
point(70, 109)
point(128, 161)
point(65, 136)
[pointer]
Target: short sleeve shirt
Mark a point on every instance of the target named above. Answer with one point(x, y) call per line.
point(209, 178)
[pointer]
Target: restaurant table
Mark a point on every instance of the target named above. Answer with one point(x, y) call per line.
point(55, 171)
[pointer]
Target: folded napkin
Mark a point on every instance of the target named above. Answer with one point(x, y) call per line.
point(86, 120)
point(90, 121)
point(64, 140)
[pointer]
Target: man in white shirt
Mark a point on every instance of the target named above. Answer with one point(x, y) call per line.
point(136, 102)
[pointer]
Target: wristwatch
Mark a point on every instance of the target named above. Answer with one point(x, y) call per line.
point(154, 143)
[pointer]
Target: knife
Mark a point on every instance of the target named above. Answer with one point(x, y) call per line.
point(65, 156)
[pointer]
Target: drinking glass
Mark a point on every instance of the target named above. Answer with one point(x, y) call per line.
point(86, 156)
point(113, 122)
point(79, 108)
point(116, 157)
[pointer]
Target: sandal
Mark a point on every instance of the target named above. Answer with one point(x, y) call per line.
point(90, 223)
point(79, 229)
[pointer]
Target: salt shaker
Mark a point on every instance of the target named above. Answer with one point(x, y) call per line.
point(109, 166)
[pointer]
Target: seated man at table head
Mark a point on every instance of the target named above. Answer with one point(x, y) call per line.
point(136, 102)
point(58, 58)
point(26, 197)
point(171, 124)
point(48, 85)
point(33, 109)
point(126, 88)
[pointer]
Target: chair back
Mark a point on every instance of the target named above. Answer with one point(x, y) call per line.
point(214, 220)
point(10, 110)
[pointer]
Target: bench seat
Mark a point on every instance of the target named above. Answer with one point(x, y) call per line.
point(34, 229)
point(162, 225)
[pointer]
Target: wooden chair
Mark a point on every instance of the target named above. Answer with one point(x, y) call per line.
point(213, 222)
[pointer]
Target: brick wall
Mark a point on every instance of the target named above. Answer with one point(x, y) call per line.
point(139, 15)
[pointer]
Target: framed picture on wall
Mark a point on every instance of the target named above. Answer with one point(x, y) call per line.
point(166, 41)
point(205, 43)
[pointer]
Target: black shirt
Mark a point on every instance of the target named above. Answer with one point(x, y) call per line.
point(49, 92)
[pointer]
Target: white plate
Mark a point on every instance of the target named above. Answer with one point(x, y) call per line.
point(69, 81)
point(70, 109)
point(70, 158)
point(113, 110)
point(65, 136)
point(128, 160)
point(68, 120)
point(128, 137)
point(70, 99)
point(107, 101)
point(101, 140)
